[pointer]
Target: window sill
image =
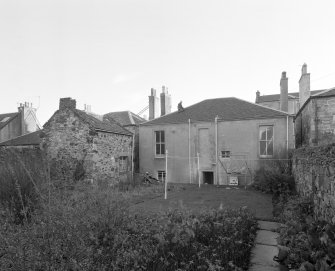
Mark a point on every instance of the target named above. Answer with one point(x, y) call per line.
point(265, 156)
point(160, 157)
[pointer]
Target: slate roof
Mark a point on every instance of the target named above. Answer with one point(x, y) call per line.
point(276, 97)
point(225, 108)
point(24, 140)
point(325, 93)
point(10, 116)
point(112, 127)
point(125, 118)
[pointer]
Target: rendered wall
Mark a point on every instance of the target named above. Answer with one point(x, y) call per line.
point(240, 137)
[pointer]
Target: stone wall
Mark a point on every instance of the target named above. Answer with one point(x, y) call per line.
point(314, 173)
point(76, 151)
point(315, 123)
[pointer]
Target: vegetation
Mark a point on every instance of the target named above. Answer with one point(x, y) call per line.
point(91, 227)
point(310, 243)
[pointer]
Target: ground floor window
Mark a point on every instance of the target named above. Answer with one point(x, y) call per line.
point(161, 175)
point(225, 154)
point(266, 141)
point(123, 163)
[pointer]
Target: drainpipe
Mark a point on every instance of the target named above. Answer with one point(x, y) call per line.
point(189, 149)
point(316, 122)
point(132, 154)
point(216, 150)
point(287, 136)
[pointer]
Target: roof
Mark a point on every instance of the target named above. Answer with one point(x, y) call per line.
point(5, 118)
point(325, 93)
point(276, 97)
point(24, 140)
point(125, 118)
point(104, 126)
point(225, 108)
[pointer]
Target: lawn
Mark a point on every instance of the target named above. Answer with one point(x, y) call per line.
point(207, 196)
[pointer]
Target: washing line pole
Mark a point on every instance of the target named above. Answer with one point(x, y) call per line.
point(189, 149)
point(198, 156)
point(166, 174)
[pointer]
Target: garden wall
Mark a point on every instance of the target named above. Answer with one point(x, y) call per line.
point(314, 174)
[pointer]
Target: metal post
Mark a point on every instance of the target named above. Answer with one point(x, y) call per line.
point(216, 151)
point(189, 149)
point(166, 174)
point(198, 156)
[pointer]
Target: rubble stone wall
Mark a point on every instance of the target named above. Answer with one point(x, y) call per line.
point(314, 173)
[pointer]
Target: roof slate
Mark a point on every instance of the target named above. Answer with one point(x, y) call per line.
point(125, 118)
point(107, 126)
point(326, 93)
point(224, 108)
point(24, 140)
point(276, 97)
point(9, 115)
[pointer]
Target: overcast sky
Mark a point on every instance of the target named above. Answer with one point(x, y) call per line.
point(110, 53)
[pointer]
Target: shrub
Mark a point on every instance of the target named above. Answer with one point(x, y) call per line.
point(275, 177)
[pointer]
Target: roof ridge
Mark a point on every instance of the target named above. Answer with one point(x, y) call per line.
point(323, 91)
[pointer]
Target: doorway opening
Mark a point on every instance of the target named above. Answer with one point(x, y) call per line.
point(208, 177)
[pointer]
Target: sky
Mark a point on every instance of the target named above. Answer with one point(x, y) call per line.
point(109, 54)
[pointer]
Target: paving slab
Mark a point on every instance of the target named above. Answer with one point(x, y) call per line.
point(263, 255)
point(264, 237)
point(258, 267)
point(267, 225)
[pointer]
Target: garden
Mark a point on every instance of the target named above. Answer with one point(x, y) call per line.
point(91, 227)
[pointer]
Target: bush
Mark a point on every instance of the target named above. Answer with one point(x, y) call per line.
point(275, 177)
point(311, 242)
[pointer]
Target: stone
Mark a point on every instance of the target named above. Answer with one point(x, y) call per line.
point(269, 226)
point(264, 237)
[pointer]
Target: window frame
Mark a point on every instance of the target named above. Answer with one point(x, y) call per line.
point(160, 143)
point(163, 177)
point(266, 126)
point(224, 154)
point(123, 163)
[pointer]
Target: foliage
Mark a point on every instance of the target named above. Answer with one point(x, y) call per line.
point(91, 228)
point(275, 177)
point(21, 173)
point(310, 241)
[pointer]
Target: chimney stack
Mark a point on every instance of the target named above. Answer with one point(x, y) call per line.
point(67, 103)
point(284, 92)
point(258, 94)
point(165, 101)
point(153, 105)
point(304, 85)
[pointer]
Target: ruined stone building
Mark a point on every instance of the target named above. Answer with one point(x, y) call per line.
point(80, 146)
point(19, 123)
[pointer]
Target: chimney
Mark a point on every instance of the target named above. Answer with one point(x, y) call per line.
point(67, 103)
point(258, 94)
point(284, 92)
point(304, 85)
point(165, 101)
point(28, 124)
point(153, 105)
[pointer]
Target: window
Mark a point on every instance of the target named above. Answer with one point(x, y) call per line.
point(161, 174)
point(266, 141)
point(160, 143)
point(225, 154)
point(123, 163)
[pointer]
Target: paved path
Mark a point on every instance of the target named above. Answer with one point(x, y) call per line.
point(265, 248)
point(210, 196)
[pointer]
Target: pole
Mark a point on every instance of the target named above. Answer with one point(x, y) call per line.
point(286, 136)
point(198, 156)
point(189, 149)
point(216, 150)
point(132, 158)
point(166, 174)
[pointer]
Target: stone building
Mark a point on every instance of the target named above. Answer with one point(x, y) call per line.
point(287, 101)
point(131, 122)
point(80, 146)
point(18, 123)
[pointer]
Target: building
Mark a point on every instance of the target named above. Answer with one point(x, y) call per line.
point(288, 101)
point(131, 122)
point(19, 123)
point(214, 140)
point(30, 140)
point(80, 146)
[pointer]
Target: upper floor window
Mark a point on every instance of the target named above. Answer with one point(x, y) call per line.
point(266, 141)
point(225, 154)
point(160, 143)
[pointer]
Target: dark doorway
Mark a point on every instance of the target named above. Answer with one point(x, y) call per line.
point(208, 177)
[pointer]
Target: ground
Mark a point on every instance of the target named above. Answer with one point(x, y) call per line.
point(195, 198)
